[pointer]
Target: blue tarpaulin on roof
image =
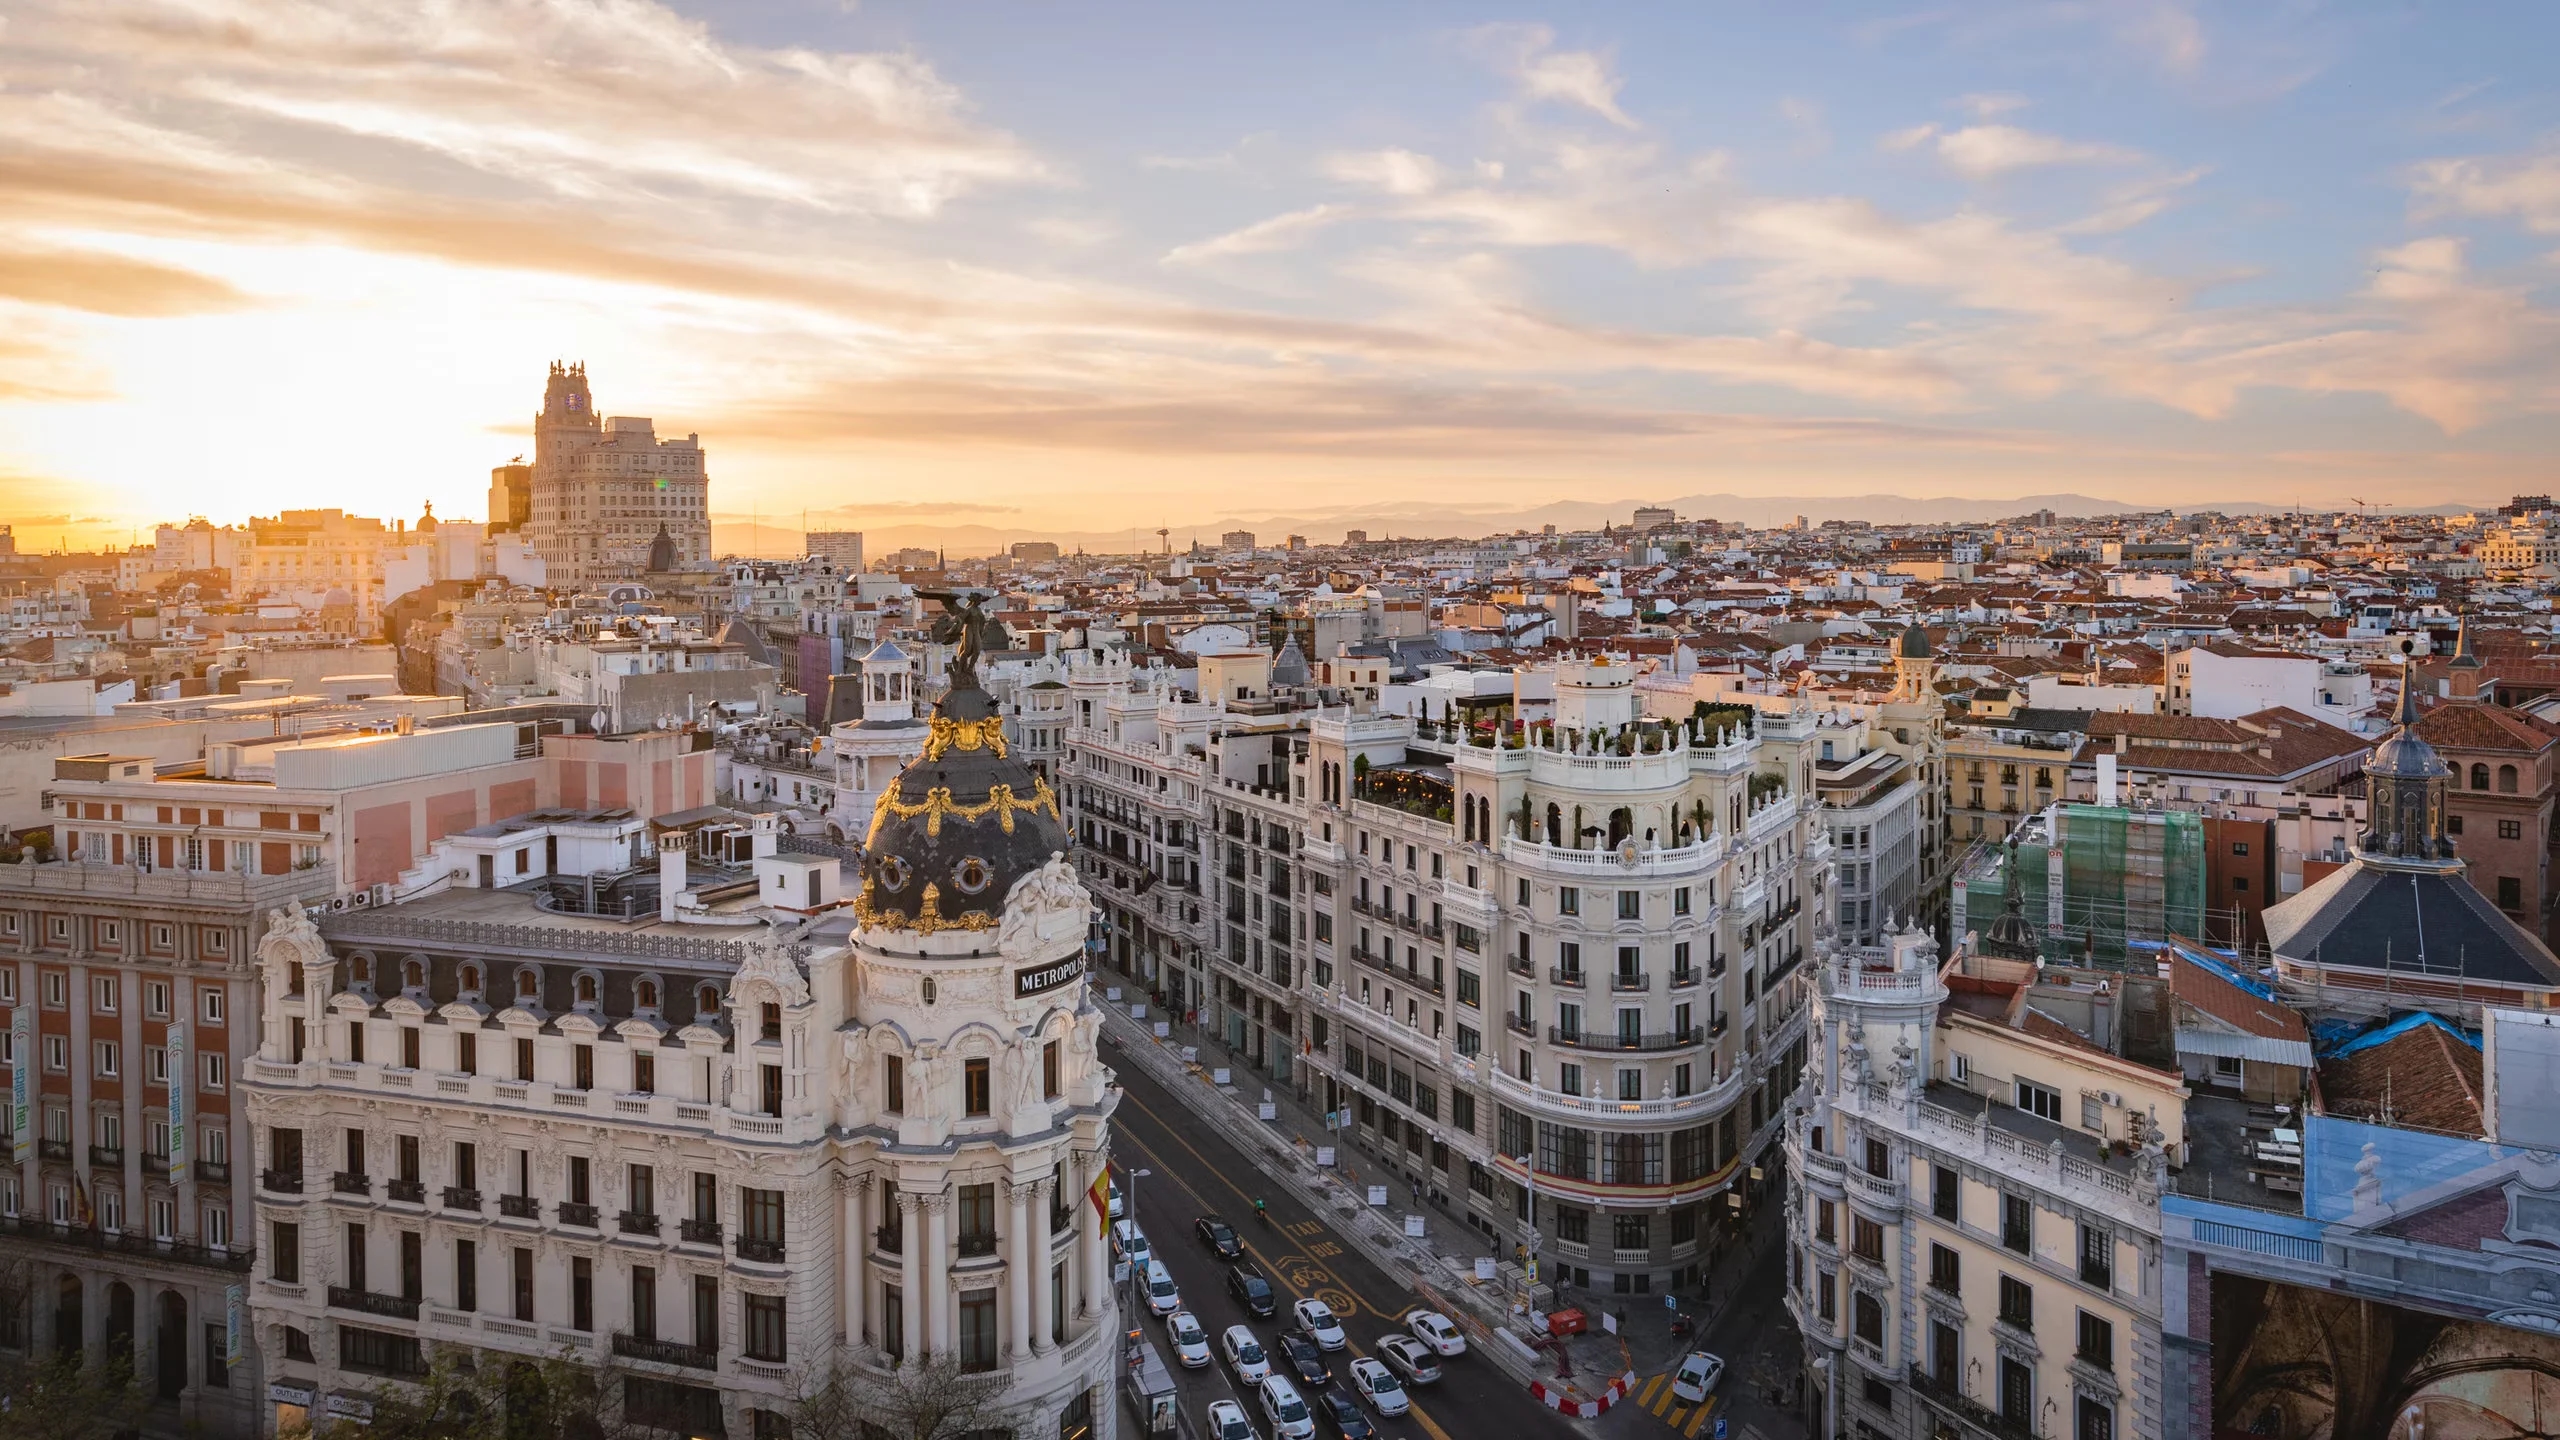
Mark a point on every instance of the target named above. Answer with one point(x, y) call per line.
point(2224, 968)
point(2382, 1034)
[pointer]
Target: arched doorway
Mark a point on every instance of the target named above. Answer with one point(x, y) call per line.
point(169, 1348)
point(1622, 824)
point(70, 1325)
point(120, 1321)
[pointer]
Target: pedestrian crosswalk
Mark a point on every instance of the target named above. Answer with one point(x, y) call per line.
point(1690, 1420)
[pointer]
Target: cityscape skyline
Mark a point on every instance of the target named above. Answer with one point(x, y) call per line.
point(2135, 251)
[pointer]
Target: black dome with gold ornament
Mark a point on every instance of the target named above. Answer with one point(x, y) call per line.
point(957, 828)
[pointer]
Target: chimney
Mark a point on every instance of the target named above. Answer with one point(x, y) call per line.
point(2124, 742)
point(671, 857)
point(2107, 776)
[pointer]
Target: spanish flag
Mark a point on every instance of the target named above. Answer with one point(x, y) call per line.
point(1101, 1193)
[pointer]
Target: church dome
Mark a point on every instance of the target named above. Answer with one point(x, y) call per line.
point(427, 522)
point(1914, 644)
point(958, 827)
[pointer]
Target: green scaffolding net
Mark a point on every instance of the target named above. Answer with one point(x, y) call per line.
point(2128, 880)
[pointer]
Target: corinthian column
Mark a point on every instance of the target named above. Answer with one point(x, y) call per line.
point(857, 1252)
point(1020, 1261)
point(910, 1276)
point(1097, 1252)
point(1043, 1298)
point(939, 1310)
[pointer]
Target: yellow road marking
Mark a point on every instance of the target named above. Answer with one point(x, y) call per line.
point(1270, 1271)
point(1652, 1388)
point(1700, 1418)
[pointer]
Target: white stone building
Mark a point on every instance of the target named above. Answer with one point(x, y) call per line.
point(717, 1156)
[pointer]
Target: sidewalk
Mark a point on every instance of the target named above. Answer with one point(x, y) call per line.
point(1441, 1263)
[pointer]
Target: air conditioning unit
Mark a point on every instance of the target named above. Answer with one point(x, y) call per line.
point(2111, 1099)
point(382, 893)
point(360, 899)
point(337, 903)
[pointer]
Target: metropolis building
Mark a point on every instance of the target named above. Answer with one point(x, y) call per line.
point(795, 1121)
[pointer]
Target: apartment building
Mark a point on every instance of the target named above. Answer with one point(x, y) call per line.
point(1973, 1200)
point(1548, 971)
point(719, 1161)
point(125, 965)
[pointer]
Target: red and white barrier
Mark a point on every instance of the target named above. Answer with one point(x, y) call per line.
point(1564, 1401)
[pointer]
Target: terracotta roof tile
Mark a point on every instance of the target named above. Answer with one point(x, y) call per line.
point(2195, 985)
point(2425, 1078)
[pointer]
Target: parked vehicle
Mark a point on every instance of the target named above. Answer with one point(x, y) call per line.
point(1437, 1331)
point(1696, 1378)
point(1406, 1356)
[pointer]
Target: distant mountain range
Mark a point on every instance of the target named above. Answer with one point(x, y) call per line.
point(1432, 519)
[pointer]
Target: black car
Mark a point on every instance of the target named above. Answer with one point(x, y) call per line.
point(1298, 1351)
point(1349, 1421)
point(1219, 1236)
point(1252, 1291)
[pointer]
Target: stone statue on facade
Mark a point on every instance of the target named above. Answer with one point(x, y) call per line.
point(1854, 1057)
point(1899, 1075)
point(291, 939)
point(1045, 911)
point(769, 959)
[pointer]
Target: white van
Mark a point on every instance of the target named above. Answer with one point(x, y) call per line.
point(1285, 1409)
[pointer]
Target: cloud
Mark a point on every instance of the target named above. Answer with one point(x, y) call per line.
point(1528, 55)
point(108, 284)
point(1397, 171)
point(1990, 104)
point(2170, 31)
point(1984, 152)
point(580, 99)
point(1280, 232)
point(2525, 188)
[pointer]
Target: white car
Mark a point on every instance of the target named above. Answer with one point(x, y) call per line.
point(1404, 1355)
point(1317, 1319)
point(1114, 1202)
point(1696, 1378)
point(1285, 1409)
point(1433, 1329)
point(1190, 1342)
point(1244, 1354)
point(1162, 1298)
point(1227, 1422)
point(1378, 1387)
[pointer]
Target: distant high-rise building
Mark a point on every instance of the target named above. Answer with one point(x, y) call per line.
point(1654, 517)
point(840, 548)
point(1297, 543)
point(510, 496)
point(603, 489)
point(1355, 537)
point(1034, 552)
point(1236, 540)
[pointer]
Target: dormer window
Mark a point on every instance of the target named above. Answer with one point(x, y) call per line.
point(360, 970)
point(413, 976)
point(707, 1001)
point(645, 995)
point(470, 979)
point(527, 985)
point(586, 990)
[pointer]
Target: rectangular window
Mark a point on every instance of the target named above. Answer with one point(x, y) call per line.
point(1946, 1270)
point(1630, 904)
point(1867, 1315)
point(524, 1057)
point(582, 1067)
point(217, 1070)
point(1946, 1352)
point(644, 1072)
point(580, 1186)
point(582, 1293)
point(522, 1262)
point(977, 1093)
point(1568, 900)
point(1943, 1181)
point(2097, 1343)
point(2094, 1419)
point(977, 1330)
point(284, 1253)
point(893, 1085)
point(977, 1216)
point(2017, 1303)
point(413, 1266)
point(644, 1302)
point(763, 1218)
point(706, 1312)
point(769, 1088)
point(355, 1258)
point(2017, 1223)
point(466, 1053)
point(1052, 1065)
point(466, 1275)
point(1866, 1239)
point(2097, 1258)
point(766, 1338)
point(2017, 1391)
point(2041, 1100)
point(211, 997)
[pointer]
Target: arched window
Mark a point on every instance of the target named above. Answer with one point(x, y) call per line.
point(706, 1001)
point(586, 989)
point(645, 995)
point(2479, 777)
point(470, 979)
point(528, 985)
point(360, 970)
point(413, 976)
point(2506, 779)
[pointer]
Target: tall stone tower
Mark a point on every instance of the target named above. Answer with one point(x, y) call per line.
point(605, 489)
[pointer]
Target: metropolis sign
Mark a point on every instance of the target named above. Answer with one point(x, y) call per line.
point(1041, 978)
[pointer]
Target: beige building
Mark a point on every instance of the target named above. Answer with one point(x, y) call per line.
point(605, 489)
point(1973, 1205)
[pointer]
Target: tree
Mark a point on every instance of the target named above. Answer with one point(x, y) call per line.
point(464, 1396)
point(56, 1397)
point(934, 1399)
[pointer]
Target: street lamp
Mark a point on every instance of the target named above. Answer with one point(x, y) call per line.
point(1530, 1239)
point(1830, 1397)
point(1133, 1177)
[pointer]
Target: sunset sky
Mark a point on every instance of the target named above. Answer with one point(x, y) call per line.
point(1113, 264)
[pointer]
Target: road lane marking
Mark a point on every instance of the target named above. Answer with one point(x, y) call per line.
point(1269, 1270)
point(1699, 1419)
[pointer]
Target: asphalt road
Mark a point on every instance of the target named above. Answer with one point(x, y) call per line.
point(1197, 1171)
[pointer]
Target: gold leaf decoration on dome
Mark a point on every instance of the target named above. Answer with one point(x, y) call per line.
point(927, 920)
point(946, 734)
point(937, 803)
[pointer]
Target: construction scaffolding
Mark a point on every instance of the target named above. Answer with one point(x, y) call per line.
point(2101, 885)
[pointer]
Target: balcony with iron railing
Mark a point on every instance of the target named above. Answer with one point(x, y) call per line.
point(54, 1150)
point(280, 1182)
point(767, 1252)
point(1610, 1040)
point(665, 1352)
point(519, 1207)
point(348, 1184)
point(572, 1213)
point(408, 1192)
point(977, 1245)
point(1630, 983)
point(698, 1232)
point(1683, 979)
point(81, 1237)
point(635, 1222)
point(458, 1197)
point(110, 1156)
point(1950, 1400)
point(211, 1172)
point(367, 1302)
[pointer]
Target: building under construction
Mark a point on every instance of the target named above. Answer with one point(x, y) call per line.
point(2095, 884)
